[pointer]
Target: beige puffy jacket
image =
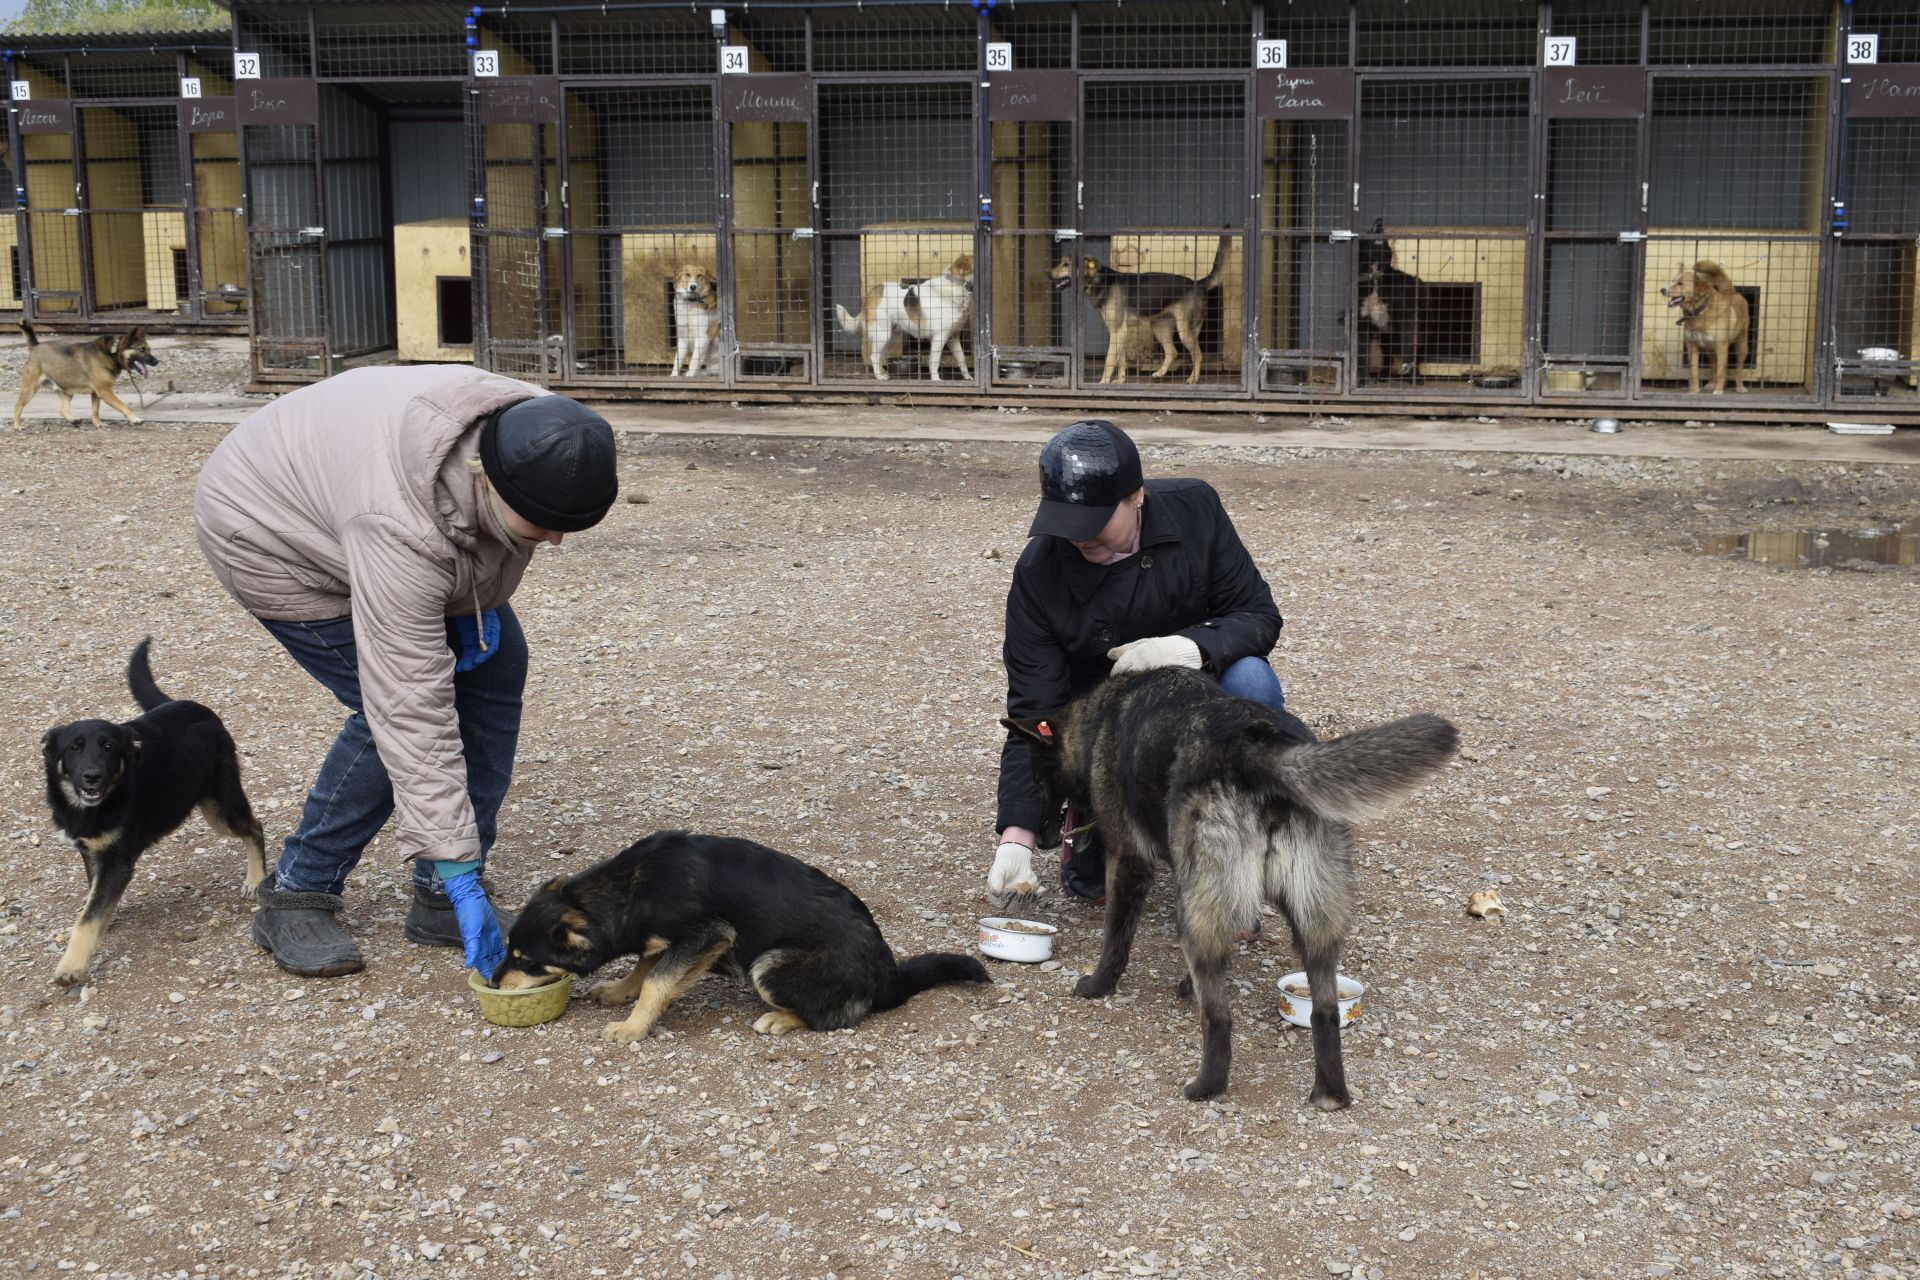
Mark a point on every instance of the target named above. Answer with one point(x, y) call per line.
point(360, 495)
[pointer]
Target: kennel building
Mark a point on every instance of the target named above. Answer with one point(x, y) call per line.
point(124, 182)
point(1396, 202)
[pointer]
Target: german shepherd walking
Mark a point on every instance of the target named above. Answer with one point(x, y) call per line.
point(1163, 302)
point(1245, 805)
point(74, 365)
point(683, 904)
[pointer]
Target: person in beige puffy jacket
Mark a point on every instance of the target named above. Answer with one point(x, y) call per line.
point(376, 523)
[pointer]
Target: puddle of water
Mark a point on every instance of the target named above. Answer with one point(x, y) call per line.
point(1821, 548)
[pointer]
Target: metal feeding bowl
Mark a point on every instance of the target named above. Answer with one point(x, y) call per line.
point(1606, 426)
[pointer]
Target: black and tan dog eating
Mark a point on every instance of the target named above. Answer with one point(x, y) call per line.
point(116, 790)
point(683, 903)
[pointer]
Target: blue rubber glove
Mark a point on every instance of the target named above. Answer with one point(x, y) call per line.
point(479, 927)
point(477, 643)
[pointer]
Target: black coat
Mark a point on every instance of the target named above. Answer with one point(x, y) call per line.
point(1191, 577)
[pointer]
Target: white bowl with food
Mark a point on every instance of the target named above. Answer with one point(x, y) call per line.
point(1025, 941)
point(1296, 999)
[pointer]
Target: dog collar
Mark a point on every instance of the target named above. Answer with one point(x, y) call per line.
point(1686, 315)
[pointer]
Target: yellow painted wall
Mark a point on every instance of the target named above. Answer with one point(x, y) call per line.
point(162, 232)
point(112, 148)
point(422, 253)
point(1787, 273)
point(1499, 267)
point(9, 241)
point(223, 236)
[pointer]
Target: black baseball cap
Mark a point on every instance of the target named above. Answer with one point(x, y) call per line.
point(1085, 472)
point(551, 460)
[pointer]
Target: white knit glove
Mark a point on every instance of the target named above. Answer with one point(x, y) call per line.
point(1156, 651)
point(1012, 872)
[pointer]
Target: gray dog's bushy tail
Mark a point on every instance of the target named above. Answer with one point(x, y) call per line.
point(1365, 773)
point(933, 969)
point(140, 678)
point(33, 339)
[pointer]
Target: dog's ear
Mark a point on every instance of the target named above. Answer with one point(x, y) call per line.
point(570, 932)
point(50, 745)
point(554, 885)
point(1041, 731)
point(1379, 226)
point(135, 336)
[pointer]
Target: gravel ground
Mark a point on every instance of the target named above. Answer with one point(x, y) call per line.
point(1689, 1049)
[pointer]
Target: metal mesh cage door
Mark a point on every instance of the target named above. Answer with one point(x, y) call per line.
point(1736, 170)
point(1593, 228)
point(134, 216)
point(1032, 248)
point(219, 224)
point(1163, 204)
point(519, 255)
point(1875, 296)
point(56, 275)
point(1305, 292)
point(771, 251)
point(642, 233)
point(287, 260)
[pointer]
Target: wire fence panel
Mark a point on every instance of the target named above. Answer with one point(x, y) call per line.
point(1445, 189)
point(1305, 270)
point(286, 255)
point(1161, 275)
point(643, 233)
point(1735, 185)
point(1465, 33)
point(523, 334)
point(898, 210)
point(1875, 301)
point(1739, 32)
point(134, 223)
point(1179, 35)
point(1032, 186)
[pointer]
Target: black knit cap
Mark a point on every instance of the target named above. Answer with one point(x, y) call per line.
point(551, 460)
point(1085, 472)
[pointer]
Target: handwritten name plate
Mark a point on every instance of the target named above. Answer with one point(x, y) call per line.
point(1889, 89)
point(519, 100)
point(1032, 95)
point(44, 115)
point(766, 96)
point(288, 100)
point(209, 115)
point(1304, 93)
point(1593, 93)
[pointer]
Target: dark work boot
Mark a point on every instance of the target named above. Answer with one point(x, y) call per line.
point(431, 921)
point(301, 932)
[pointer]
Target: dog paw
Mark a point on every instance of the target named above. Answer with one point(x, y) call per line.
point(1330, 1100)
point(623, 1033)
point(777, 1022)
point(1183, 989)
point(609, 992)
point(1093, 987)
point(64, 977)
point(1202, 1087)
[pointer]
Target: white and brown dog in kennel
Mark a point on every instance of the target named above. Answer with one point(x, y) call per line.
point(696, 320)
point(937, 310)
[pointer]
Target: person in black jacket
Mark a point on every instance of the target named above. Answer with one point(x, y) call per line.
point(1120, 574)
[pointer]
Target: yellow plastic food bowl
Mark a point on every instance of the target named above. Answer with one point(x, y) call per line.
point(527, 1007)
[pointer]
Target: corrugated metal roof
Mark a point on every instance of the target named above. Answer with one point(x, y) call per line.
point(114, 40)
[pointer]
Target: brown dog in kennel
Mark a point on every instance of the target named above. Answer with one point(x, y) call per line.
point(1712, 314)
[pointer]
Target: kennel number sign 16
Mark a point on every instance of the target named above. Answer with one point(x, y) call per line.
point(1269, 55)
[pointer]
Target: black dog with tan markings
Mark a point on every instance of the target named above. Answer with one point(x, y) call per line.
point(684, 903)
point(116, 790)
point(1245, 806)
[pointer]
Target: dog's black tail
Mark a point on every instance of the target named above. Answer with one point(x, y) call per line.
point(33, 339)
point(140, 679)
point(1367, 772)
point(934, 969)
point(1219, 272)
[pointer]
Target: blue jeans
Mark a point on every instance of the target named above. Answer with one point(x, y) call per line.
point(353, 797)
point(1254, 680)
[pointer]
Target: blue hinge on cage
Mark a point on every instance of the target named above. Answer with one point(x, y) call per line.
point(983, 4)
point(1839, 217)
